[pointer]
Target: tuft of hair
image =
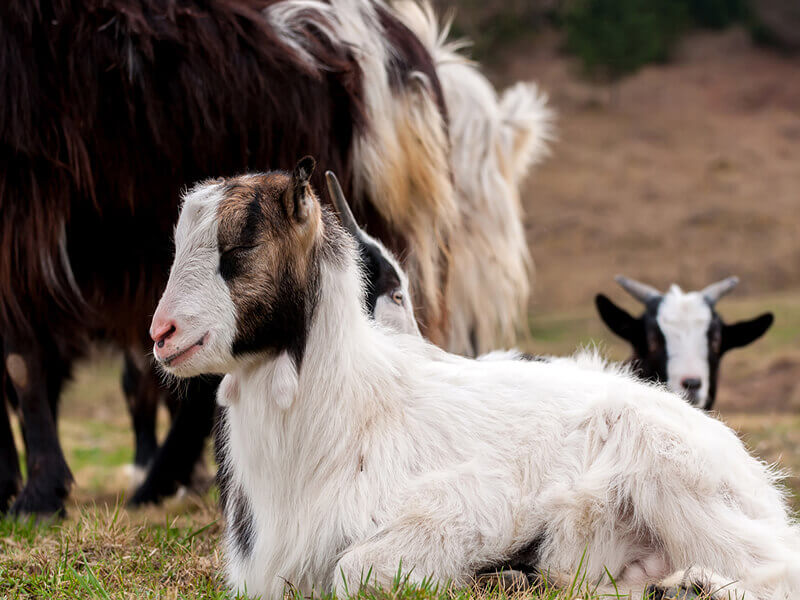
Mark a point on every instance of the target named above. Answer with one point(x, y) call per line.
point(494, 142)
point(591, 358)
point(528, 127)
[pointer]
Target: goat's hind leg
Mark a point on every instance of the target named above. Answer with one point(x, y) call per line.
point(718, 515)
point(36, 375)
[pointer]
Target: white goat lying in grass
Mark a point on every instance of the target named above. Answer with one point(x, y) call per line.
point(354, 449)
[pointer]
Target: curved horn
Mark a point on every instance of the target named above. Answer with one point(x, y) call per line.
point(641, 291)
point(715, 291)
point(341, 205)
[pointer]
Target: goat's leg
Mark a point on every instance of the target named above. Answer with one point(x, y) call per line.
point(10, 476)
point(654, 498)
point(448, 530)
point(731, 524)
point(142, 391)
point(176, 459)
point(37, 392)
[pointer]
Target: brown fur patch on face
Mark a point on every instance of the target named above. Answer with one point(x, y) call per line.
point(268, 258)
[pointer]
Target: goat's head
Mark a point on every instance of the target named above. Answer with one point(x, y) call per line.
point(246, 272)
point(680, 338)
point(388, 299)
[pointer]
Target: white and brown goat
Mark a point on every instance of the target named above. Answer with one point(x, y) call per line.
point(353, 450)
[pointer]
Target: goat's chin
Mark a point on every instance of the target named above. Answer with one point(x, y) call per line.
point(202, 362)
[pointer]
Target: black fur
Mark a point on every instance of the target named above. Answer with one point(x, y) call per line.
point(94, 153)
point(525, 560)
point(533, 357)
point(282, 324)
point(241, 522)
point(10, 475)
point(379, 274)
point(141, 395)
point(174, 462)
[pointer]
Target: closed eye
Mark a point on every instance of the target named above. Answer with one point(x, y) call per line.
point(236, 249)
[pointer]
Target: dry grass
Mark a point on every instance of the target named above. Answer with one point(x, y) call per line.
point(102, 551)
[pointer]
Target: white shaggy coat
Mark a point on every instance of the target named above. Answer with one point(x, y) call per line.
point(495, 139)
point(447, 465)
point(383, 450)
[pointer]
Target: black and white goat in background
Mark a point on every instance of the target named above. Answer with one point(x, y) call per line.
point(354, 449)
point(680, 339)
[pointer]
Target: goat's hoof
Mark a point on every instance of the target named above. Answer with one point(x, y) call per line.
point(144, 495)
point(37, 503)
point(153, 491)
point(509, 581)
point(8, 489)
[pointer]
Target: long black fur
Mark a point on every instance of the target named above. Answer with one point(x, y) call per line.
point(109, 108)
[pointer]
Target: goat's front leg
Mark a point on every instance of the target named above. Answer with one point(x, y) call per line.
point(446, 532)
point(10, 476)
point(175, 460)
point(37, 389)
point(142, 390)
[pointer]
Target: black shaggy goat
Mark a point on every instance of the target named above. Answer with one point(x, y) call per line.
point(111, 106)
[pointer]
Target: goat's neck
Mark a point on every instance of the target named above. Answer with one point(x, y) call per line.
point(331, 394)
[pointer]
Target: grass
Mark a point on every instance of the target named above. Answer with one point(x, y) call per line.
point(102, 550)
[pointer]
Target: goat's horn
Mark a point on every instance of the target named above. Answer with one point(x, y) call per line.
point(641, 291)
point(717, 290)
point(341, 205)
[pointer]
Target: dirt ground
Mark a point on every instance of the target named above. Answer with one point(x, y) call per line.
point(686, 172)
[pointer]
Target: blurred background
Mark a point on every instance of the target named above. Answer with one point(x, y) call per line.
point(676, 159)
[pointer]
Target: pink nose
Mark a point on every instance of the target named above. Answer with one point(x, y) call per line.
point(161, 330)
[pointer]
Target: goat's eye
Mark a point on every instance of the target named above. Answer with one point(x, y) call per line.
point(233, 250)
point(397, 297)
point(716, 341)
point(653, 342)
point(231, 263)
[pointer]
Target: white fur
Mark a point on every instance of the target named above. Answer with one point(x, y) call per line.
point(136, 475)
point(394, 451)
point(684, 319)
point(494, 141)
point(196, 266)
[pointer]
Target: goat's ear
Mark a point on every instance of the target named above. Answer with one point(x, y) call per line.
point(744, 332)
point(618, 320)
point(300, 200)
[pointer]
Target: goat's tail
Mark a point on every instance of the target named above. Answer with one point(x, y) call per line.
point(527, 127)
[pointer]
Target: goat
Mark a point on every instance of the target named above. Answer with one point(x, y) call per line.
point(352, 450)
point(388, 298)
point(93, 155)
point(680, 339)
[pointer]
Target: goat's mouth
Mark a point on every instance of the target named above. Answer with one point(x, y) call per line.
point(694, 398)
point(180, 356)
